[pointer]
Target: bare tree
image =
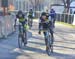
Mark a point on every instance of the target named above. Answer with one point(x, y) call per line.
point(36, 3)
point(67, 4)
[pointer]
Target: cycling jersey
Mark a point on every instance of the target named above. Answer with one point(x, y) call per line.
point(30, 14)
point(45, 24)
point(22, 20)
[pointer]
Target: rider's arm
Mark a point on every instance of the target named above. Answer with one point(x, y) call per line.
point(40, 20)
point(40, 25)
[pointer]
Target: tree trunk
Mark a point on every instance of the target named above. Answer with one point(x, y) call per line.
point(66, 5)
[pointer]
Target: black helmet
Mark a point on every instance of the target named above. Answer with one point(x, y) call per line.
point(43, 14)
point(52, 9)
point(30, 8)
point(20, 12)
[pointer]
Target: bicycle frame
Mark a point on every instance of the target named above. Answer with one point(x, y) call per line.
point(49, 42)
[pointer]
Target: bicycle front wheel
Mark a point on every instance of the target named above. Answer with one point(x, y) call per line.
point(49, 48)
point(25, 38)
point(20, 41)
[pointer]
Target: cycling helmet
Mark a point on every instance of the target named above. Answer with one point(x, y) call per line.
point(43, 14)
point(20, 12)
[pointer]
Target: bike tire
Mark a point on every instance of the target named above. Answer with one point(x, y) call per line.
point(25, 38)
point(50, 45)
point(20, 41)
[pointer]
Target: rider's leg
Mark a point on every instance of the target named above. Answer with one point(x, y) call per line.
point(31, 18)
point(40, 28)
point(53, 22)
point(24, 33)
point(20, 28)
point(45, 34)
point(15, 24)
point(52, 36)
point(52, 40)
point(29, 22)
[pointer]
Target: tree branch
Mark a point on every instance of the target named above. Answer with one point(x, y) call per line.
point(64, 2)
point(31, 2)
point(71, 1)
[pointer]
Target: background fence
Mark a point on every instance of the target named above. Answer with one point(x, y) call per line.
point(66, 18)
point(6, 25)
point(61, 17)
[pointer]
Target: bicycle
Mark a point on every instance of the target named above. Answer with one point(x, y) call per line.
point(49, 42)
point(49, 39)
point(22, 37)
